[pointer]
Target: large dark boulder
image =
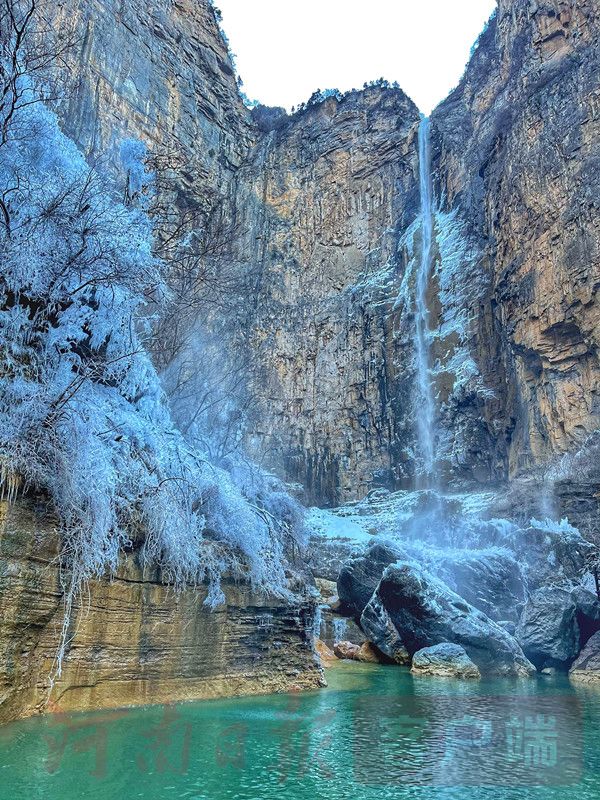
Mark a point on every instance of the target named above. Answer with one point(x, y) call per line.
point(588, 604)
point(360, 576)
point(378, 626)
point(548, 630)
point(490, 580)
point(548, 552)
point(556, 622)
point(588, 612)
point(426, 612)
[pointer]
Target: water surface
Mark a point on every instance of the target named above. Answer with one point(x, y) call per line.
point(376, 732)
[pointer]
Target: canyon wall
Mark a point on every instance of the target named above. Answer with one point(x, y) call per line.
point(159, 71)
point(517, 153)
point(325, 200)
point(332, 194)
point(131, 640)
point(322, 208)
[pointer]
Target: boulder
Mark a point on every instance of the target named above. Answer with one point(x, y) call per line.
point(353, 652)
point(588, 605)
point(548, 631)
point(444, 660)
point(368, 654)
point(426, 612)
point(491, 580)
point(325, 653)
point(377, 625)
point(360, 576)
point(586, 667)
point(346, 650)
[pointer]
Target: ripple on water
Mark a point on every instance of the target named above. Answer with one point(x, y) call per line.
point(376, 732)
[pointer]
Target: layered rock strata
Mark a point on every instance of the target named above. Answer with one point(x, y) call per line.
point(131, 639)
point(516, 155)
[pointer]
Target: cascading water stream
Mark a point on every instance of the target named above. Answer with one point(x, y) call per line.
point(424, 401)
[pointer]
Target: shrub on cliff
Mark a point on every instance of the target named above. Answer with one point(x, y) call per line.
point(268, 118)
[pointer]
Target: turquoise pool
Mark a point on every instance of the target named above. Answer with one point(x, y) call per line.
point(374, 733)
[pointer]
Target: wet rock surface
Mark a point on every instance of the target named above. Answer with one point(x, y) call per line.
point(359, 577)
point(425, 612)
point(444, 660)
point(492, 582)
point(379, 627)
point(587, 665)
point(548, 631)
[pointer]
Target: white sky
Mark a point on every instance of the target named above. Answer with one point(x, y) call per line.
point(285, 49)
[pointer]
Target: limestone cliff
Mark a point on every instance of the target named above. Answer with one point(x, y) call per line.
point(131, 640)
point(325, 200)
point(513, 294)
point(159, 71)
point(517, 150)
point(324, 206)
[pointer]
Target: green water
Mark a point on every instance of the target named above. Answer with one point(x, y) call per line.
point(374, 733)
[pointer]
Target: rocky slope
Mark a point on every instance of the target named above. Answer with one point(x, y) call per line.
point(439, 571)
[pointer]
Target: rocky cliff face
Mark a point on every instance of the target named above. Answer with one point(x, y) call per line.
point(132, 641)
point(159, 71)
point(329, 199)
point(517, 155)
point(325, 201)
point(324, 208)
point(322, 211)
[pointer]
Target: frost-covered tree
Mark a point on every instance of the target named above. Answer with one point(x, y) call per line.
point(83, 415)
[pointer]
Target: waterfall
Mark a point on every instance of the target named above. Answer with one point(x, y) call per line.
point(424, 407)
point(318, 622)
point(339, 629)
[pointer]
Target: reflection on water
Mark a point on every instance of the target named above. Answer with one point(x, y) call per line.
point(374, 733)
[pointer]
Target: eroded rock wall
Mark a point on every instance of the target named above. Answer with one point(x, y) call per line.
point(321, 209)
point(517, 154)
point(325, 200)
point(324, 208)
point(329, 198)
point(132, 641)
point(159, 71)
